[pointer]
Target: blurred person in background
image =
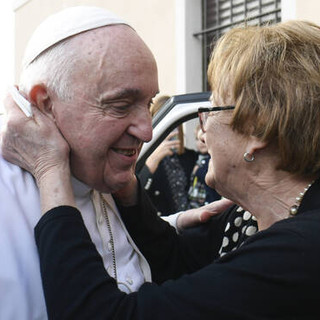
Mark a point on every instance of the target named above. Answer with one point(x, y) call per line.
point(200, 193)
point(167, 172)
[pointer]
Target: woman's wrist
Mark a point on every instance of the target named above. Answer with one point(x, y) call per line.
point(55, 188)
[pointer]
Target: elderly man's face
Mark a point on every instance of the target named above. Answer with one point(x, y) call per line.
point(108, 119)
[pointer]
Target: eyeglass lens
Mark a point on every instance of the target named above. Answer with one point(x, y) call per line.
point(203, 116)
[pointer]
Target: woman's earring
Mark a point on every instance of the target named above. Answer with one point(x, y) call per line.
point(248, 157)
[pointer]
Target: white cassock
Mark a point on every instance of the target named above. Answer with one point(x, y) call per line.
point(21, 294)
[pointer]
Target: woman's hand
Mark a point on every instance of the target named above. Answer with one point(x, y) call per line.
point(165, 148)
point(36, 145)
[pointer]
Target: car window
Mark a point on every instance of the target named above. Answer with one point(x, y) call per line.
point(177, 110)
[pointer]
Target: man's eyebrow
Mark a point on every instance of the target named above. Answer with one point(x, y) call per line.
point(123, 93)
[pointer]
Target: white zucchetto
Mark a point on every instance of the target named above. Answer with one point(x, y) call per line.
point(64, 24)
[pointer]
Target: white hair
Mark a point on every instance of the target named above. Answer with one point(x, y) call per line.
point(54, 69)
point(50, 58)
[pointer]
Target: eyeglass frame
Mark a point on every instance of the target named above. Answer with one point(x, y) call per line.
point(203, 110)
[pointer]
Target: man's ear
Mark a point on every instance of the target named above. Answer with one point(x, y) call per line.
point(40, 97)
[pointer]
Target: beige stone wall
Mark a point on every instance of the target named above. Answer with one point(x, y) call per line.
point(301, 10)
point(154, 20)
point(308, 10)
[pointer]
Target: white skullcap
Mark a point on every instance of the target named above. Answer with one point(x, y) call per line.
point(64, 24)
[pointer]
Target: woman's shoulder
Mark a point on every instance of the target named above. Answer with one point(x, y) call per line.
point(297, 234)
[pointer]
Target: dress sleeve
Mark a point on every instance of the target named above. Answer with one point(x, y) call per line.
point(253, 282)
point(73, 276)
point(145, 177)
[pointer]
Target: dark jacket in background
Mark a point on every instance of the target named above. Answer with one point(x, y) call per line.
point(159, 187)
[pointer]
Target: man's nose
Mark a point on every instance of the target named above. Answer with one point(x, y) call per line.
point(141, 125)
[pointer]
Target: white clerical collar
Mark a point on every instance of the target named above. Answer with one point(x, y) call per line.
point(80, 189)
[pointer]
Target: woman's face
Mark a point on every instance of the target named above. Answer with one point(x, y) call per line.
point(226, 148)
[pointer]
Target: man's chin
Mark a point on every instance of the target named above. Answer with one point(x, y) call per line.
point(116, 184)
point(209, 180)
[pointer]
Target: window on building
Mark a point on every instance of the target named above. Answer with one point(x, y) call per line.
point(221, 15)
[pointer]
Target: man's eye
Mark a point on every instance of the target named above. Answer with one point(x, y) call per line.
point(117, 111)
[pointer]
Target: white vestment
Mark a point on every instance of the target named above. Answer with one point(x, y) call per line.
point(21, 294)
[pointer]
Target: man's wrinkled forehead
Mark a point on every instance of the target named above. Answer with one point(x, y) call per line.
point(64, 24)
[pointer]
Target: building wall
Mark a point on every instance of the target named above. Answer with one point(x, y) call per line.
point(301, 10)
point(308, 10)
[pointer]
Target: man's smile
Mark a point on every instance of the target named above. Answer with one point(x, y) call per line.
point(126, 152)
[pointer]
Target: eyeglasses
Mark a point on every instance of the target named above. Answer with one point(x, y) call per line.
point(203, 114)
